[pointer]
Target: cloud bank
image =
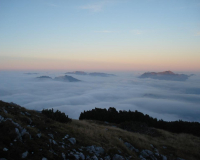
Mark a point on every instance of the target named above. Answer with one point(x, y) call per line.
point(169, 100)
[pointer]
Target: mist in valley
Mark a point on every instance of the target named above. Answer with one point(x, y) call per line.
point(167, 100)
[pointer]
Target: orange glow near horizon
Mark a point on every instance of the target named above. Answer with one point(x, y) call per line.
point(117, 64)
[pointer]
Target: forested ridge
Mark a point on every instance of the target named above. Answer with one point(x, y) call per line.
point(113, 116)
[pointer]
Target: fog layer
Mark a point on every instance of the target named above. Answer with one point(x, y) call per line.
point(167, 100)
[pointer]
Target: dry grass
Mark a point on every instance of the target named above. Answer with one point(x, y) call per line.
point(180, 145)
point(110, 138)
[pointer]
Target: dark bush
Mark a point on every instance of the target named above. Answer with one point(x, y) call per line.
point(113, 116)
point(57, 116)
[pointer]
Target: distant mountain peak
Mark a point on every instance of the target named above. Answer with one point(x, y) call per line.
point(44, 77)
point(100, 74)
point(66, 78)
point(166, 75)
point(77, 72)
point(166, 72)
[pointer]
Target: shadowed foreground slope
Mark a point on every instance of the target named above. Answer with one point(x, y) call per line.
point(27, 134)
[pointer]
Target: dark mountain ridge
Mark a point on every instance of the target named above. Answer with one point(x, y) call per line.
point(99, 74)
point(166, 75)
point(65, 78)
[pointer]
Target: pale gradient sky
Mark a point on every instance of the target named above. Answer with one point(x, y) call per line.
point(100, 35)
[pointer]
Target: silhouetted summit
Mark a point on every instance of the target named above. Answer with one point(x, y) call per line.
point(44, 77)
point(99, 74)
point(166, 75)
point(66, 78)
point(77, 73)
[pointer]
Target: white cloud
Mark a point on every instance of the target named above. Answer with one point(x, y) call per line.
point(162, 99)
point(93, 7)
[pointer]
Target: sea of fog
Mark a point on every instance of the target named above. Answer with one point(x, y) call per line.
point(167, 100)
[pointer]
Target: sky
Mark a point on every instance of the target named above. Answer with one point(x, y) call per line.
point(167, 100)
point(106, 35)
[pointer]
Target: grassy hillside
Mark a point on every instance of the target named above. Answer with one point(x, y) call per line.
point(38, 137)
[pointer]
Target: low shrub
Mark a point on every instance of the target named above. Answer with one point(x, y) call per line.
point(57, 116)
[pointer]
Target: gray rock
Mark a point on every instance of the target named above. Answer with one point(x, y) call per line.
point(63, 155)
point(16, 124)
point(18, 134)
point(96, 150)
point(82, 156)
point(51, 135)
point(117, 157)
point(39, 135)
point(30, 120)
point(157, 154)
point(28, 114)
point(3, 159)
point(54, 142)
point(72, 140)
point(94, 158)
point(180, 158)
point(66, 136)
point(88, 157)
point(23, 132)
point(99, 150)
point(91, 149)
point(152, 145)
point(24, 155)
point(107, 158)
point(141, 157)
point(1, 118)
point(76, 156)
point(163, 157)
point(155, 150)
point(22, 113)
point(148, 154)
point(44, 158)
point(164, 147)
point(5, 149)
point(130, 147)
point(5, 111)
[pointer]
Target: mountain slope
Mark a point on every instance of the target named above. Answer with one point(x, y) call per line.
point(28, 134)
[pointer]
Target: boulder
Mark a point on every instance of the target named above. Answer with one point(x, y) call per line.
point(107, 158)
point(117, 157)
point(51, 135)
point(82, 156)
point(130, 147)
point(72, 140)
point(24, 155)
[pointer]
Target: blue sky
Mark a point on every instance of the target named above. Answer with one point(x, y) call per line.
point(104, 35)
